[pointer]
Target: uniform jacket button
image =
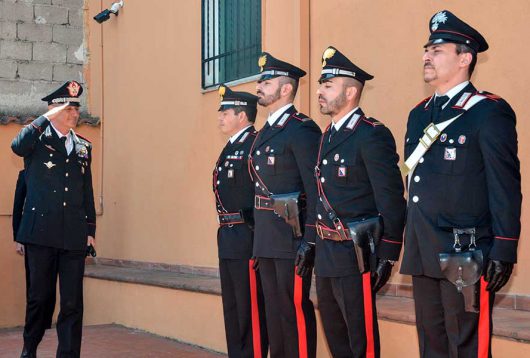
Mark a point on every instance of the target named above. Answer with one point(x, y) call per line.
point(415, 198)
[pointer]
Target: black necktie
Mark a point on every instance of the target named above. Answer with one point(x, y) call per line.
point(439, 101)
point(332, 132)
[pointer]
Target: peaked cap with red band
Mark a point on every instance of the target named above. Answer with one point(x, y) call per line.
point(446, 27)
point(69, 92)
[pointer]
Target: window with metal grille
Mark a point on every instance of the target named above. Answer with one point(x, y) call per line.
point(231, 40)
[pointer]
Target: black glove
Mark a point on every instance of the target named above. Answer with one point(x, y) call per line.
point(255, 263)
point(497, 274)
point(381, 274)
point(90, 251)
point(305, 258)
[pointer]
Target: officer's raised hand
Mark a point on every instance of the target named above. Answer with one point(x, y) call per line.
point(305, 258)
point(56, 112)
point(381, 274)
point(498, 274)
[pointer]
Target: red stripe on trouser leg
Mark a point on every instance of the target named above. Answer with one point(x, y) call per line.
point(484, 321)
point(256, 333)
point(300, 318)
point(368, 315)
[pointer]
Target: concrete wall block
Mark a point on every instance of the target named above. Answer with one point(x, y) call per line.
point(34, 32)
point(49, 52)
point(15, 50)
point(35, 71)
point(48, 14)
point(8, 30)
point(71, 4)
point(8, 69)
point(68, 72)
point(68, 35)
point(76, 17)
point(77, 54)
point(23, 97)
point(38, 2)
point(16, 11)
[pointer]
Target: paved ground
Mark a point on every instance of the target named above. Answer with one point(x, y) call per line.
point(108, 341)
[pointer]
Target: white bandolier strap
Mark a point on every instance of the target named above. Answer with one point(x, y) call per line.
point(431, 134)
point(66, 99)
point(233, 103)
point(274, 73)
point(337, 71)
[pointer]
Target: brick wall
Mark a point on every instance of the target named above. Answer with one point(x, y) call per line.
point(41, 46)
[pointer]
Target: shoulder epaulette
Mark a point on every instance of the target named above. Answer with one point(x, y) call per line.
point(83, 138)
point(489, 95)
point(423, 101)
point(372, 121)
point(301, 117)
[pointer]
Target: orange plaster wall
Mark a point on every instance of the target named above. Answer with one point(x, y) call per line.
point(160, 139)
point(160, 134)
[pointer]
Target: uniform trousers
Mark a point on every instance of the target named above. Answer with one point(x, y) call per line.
point(44, 265)
point(445, 329)
point(243, 309)
point(349, 317)
point(291, 321)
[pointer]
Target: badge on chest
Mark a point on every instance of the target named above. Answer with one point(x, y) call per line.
point(270, 159)
point(450, 154)
point(342, 171)
point(230, 173)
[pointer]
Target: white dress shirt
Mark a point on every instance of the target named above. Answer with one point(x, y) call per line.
point(452, 92)
point(69, 140)
point(233, 138)
point(273, 117)
point(341, 121)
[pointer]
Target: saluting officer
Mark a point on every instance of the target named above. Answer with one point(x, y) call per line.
point(463, 217)
point(282, 165)
point(245, 327)
point(59, 219)
point(361, 191)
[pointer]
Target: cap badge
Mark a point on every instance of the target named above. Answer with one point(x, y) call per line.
point(440, 17)
point(73, 88)
point(261, 62)
point(329, 53)
point(222, 90)
point(462, 139)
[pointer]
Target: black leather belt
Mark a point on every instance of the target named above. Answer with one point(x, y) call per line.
point(230, 218)
point(262, 202)
point(325, 233)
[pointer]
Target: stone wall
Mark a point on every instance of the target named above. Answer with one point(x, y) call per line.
point(41, 46)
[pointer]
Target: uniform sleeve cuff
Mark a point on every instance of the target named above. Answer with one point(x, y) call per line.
point(389, 249)
point(41, 123)
point(310, 233)
point(92, 230)
point(504, 249)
